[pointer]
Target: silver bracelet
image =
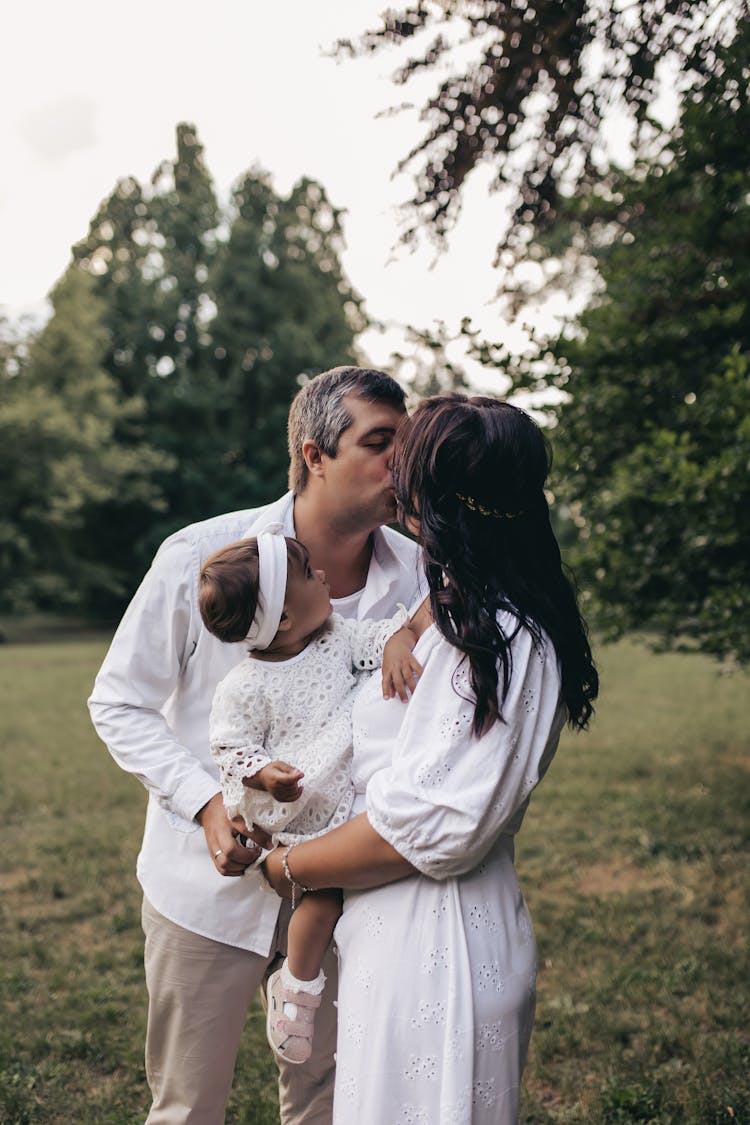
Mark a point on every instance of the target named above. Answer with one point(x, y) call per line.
point(297, 888)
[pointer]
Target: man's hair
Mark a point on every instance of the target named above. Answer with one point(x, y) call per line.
point(318, 412)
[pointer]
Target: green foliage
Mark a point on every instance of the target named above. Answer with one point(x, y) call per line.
point(653, 439)
point(525, 86)
point(58, 414)
point(665, 532)
point(428, 369)
point(179, 336)
point(284, 311)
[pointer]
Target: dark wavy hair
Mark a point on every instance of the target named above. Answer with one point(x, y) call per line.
point(471, 472)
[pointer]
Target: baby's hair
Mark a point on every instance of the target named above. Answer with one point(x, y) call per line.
point(228, 593)
point(229, 583)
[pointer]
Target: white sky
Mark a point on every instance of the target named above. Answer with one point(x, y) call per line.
point(91, 91)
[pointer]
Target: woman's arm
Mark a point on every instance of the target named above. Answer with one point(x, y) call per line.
point(353, 856)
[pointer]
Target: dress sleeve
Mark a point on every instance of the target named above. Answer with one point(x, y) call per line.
point(368, 638)
point(237, 728)
point(448, 795)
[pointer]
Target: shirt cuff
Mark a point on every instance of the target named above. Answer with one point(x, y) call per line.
point(184, 805)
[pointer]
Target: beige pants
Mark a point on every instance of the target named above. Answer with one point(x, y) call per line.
point(199, 995)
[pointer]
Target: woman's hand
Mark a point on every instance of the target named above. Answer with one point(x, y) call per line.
point(274, 873)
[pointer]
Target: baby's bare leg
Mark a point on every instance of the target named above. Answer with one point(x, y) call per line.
point(310, 931)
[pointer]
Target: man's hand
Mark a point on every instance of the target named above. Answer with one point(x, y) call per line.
point(229, 856)
point(279, 779)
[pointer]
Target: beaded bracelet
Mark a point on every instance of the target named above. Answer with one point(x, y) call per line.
point(296, 887)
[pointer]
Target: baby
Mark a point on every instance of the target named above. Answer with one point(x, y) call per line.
point(284, 715)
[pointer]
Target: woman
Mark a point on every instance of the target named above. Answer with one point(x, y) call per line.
point(437, 955)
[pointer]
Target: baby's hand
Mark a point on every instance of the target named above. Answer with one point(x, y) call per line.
point(400, 670)
point(281, 780)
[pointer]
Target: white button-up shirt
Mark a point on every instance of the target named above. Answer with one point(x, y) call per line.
point(151, 703)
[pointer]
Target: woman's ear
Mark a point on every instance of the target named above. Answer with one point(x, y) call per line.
point(313, 457)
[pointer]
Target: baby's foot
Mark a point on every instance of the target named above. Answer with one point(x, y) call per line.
point(290, 1039)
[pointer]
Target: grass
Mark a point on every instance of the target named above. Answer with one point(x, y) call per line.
point(633, 858)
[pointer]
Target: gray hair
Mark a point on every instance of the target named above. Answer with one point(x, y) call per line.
point(318, 412)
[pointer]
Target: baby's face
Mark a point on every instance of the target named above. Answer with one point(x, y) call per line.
point(308, 598)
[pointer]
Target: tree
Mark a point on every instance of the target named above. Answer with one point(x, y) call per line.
point(211, 320)
point(428, 368)
point(119, 252)
point(541, 78)
point(157, 394)
point(186, 217)
point(653, 435)
point(58, 413)
point(285, 311)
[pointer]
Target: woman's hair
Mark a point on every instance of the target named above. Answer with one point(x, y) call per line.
point(228, 587)
point(471, 471)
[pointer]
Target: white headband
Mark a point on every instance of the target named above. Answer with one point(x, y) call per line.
point(272, 568)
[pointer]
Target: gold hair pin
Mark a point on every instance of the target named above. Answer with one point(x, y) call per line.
point(474, 506)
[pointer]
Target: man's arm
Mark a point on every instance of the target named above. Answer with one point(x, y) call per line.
point(140, 672)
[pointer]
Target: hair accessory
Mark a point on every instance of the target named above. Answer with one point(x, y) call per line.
point(474, 506)
point(272, 570)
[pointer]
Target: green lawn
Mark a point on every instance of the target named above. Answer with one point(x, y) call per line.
point(633, 858)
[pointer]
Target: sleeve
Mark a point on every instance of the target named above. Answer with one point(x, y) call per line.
point(448, 795)
point(141, 670)
point(368, 638)
point(237, 726)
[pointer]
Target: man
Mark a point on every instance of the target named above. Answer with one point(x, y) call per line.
point(210, 940)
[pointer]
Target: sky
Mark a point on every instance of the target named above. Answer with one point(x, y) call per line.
point(92, 91)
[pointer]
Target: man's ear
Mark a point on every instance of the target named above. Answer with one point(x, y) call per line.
point(284, 623)
point(313, 457)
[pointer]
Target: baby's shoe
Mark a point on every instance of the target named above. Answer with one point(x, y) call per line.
point(290, 1020)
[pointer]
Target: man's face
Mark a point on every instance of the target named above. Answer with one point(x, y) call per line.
point(359, 476)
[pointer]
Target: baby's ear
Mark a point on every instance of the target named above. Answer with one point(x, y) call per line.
point(284, 623)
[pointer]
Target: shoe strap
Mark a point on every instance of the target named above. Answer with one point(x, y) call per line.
point(304, 999)
point(295, 1027)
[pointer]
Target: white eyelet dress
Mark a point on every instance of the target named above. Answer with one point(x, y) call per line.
point(298, 711)
point(437, 971)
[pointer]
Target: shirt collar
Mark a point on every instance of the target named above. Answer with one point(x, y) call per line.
point(386, 566)
point(277, 518)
